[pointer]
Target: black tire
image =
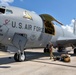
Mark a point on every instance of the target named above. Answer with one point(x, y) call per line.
point(16, 57)
point(47, 50)
point(44, 50)
point(59, 50)
point(75, 51)
point(25, 55)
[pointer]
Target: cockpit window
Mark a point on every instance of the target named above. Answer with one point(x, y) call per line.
point(5, 11)
point(2, 11)
point(8, 11)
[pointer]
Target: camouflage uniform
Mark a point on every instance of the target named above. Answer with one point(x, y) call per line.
point(51, 51)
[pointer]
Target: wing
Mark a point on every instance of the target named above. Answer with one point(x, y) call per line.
point(66, 40)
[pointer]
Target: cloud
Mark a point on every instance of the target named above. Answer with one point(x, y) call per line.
point(6, 2)
point(70, 26)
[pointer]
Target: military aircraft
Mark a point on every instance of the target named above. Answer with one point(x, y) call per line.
point(22, 29)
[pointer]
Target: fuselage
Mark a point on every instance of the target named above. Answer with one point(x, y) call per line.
point(27, 23)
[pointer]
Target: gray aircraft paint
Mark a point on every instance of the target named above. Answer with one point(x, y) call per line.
point(32, 28)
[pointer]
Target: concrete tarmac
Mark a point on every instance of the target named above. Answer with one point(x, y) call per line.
point(37, 63)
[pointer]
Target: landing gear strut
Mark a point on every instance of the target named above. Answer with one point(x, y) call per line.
point(20, 56)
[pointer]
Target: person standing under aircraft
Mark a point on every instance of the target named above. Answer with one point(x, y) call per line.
point(51, 51)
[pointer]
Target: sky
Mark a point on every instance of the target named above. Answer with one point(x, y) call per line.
point(62, 10)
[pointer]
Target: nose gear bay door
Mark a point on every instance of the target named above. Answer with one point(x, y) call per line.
point(19, 41)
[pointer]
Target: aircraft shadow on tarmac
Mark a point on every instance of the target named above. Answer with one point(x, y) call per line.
point(29, 56)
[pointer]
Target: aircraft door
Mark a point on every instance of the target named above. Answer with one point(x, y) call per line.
point(48, 24)
point(3, 32)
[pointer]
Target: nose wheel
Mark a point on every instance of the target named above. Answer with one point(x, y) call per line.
point(18, 57)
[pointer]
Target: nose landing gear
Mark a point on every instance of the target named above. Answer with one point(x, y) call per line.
point(19, 41)
point(19, 57)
